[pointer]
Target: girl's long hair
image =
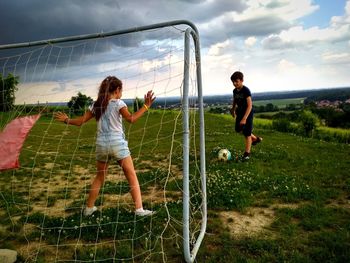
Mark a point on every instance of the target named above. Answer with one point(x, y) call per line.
point(108, 85)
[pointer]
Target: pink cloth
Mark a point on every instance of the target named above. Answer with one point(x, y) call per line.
point(12, 139)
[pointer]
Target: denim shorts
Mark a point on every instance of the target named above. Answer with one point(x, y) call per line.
point(107, 150)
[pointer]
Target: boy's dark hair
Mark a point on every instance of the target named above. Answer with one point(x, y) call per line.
point(237, 75)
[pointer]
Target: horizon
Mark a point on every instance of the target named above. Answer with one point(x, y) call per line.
point(267, 93)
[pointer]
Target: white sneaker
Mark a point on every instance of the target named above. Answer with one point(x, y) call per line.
point(143, 212)
point(88, 211)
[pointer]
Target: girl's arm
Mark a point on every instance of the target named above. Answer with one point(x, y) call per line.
point(149, 98)
point(61, 116)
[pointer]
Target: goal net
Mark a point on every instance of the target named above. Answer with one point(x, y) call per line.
point(42, 201)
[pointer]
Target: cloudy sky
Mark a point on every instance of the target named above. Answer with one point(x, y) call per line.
point(278, 44)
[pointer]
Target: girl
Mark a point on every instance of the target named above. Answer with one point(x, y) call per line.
point(108, 111)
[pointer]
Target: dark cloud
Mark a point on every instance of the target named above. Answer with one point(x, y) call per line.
point(228, 28)
point(32, 20)
point(38, 20)
point(258, 26)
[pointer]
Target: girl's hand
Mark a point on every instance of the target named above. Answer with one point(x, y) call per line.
point(149, 98)
point(60, 116)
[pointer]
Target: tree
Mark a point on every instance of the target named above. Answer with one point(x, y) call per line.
point(308, 122)
point(270, 107)
point(8, 87)
point(138, 103)
point(79, 103)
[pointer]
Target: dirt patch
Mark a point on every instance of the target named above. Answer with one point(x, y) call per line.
point(49, 166)
point(149, 165)
point(254, 221)
point(156, 196)
point(36, 250)
point(79, 170)
point(342, 203)
point(290, 205)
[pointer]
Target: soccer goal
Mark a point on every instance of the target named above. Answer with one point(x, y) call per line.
point(42, 200)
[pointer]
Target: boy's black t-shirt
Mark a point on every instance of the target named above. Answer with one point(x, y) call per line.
point(240, 98)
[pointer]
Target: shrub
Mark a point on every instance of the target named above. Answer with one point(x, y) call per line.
point(78, 104)
point(308, 122)
point(282, 125)
point(8, 87)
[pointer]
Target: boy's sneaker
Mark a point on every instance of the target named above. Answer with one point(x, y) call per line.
point(258, 140)
point(88, 211)
point(143, 212)
point(245, 156)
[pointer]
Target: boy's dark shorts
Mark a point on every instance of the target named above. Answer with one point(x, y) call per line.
point(247, 128)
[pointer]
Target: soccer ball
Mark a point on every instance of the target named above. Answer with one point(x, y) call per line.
point(224, 155)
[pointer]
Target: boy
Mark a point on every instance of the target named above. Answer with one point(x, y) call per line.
point(242, 110)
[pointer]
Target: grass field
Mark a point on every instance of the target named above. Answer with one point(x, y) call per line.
point(289, 203)
point(280, 103)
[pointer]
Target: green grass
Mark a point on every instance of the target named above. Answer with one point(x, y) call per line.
point(333, 134)
point(280, 103)
point(302, 184)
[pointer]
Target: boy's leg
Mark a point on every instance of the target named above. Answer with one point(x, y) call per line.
point(130, 174)
point(247, 132)
point(97, 183)
point(248, 143)
point(254, 138)
point(248, 135)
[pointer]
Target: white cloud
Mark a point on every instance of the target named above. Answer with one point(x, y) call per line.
point(340, 20)
point(220, 48)
point(250, 41)
point(260, 18)
point(284, 9)
point(314, 34)
point(338, 30)
point(336, 58)
point(285, 75)
point(275, 42)
point(286, 66)
point(298, 36)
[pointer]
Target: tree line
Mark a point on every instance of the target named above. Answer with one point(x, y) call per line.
point(76, 105)
point(328, 116)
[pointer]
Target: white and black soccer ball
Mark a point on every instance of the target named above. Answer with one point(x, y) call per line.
point(224, 155)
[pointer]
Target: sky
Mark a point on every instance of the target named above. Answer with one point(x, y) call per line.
point(278, 44)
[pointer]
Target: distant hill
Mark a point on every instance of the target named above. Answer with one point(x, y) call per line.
point(330, 94)
point(315, 94)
